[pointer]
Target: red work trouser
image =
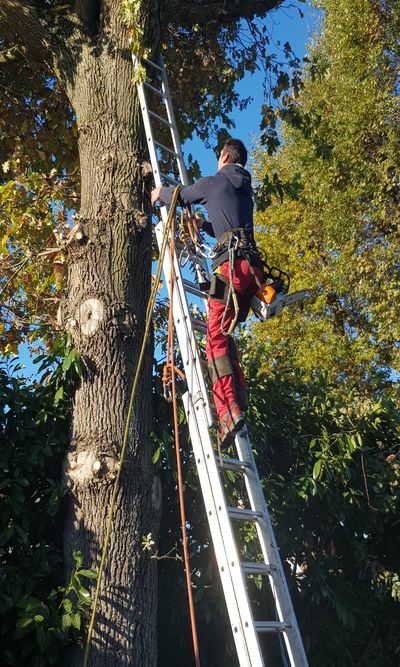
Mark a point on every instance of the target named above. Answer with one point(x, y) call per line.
point(218, 345)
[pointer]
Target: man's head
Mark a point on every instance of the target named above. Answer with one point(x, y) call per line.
point(233, 151)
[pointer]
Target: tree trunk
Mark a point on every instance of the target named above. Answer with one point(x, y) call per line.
point(108, 289)
point(84, 44)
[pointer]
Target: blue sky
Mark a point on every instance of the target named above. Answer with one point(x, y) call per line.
point(284, 24)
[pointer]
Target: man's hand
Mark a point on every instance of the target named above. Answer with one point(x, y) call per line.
point(155, 194)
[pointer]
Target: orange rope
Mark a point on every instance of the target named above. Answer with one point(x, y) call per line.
point(172, 370)
point(189, 228)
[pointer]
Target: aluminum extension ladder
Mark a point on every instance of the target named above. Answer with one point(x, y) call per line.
point(232, 569)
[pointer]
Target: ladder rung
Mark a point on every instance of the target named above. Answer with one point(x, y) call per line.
point(198, 325)
point(170, 179)
point(150, 62)
point(194, 289)
point(244, 515)
point(165, 148)
point(155, 90)
point(232, 464)
point(258, 568)
point(271, 626)
point(160, 118)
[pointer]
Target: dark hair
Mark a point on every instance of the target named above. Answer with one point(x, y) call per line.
point(236, 151)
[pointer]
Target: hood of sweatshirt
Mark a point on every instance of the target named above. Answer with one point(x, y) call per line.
point(238, 176)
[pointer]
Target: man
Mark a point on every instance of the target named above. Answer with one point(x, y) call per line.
point(228, 199)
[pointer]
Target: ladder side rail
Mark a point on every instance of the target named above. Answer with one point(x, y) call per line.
point(186, 337)
point(226, 552)
point(270, 550)
point(148, 130)
point(174, 129)
point(200, 262)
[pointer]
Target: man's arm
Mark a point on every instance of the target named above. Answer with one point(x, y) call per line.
point(190, 194)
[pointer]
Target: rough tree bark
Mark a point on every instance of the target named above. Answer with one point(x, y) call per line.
point(107, 297)
point(108, 288)
point(105, 310)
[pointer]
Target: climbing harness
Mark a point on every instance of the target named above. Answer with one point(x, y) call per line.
point(232, 294)
point(272, 293)
point(193, 248)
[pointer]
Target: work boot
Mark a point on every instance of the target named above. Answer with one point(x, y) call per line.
point(231, 422)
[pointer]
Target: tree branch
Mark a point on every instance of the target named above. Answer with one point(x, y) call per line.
point(23, 19)
point(223, 11)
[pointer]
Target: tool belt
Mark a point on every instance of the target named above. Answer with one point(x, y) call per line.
point(219, 290)
point(235, 243)
point(245, 247)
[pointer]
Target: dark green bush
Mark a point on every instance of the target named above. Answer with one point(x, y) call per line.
point(39, 614)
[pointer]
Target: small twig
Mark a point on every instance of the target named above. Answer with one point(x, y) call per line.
point(48, 251)
point(18, 268)
point(167, 556)
point(14, 275)
point(365, 482)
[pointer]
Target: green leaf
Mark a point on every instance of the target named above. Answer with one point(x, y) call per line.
point(66, 621)
point(6, 534)
point(78, 368)
point(90, 574)
point(76, 620)
point(67, 604)
point(21, 532)
point(58, 395)
point(156, 455)
point(317, 469)
point(84, 596)
point(78, 558)
point(24, 623)
point(68, 360)
point(41, 637)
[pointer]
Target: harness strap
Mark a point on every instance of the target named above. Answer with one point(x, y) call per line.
point(233, 246)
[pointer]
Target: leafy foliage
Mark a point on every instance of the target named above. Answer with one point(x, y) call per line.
point(38, 615)
point(332, 473)
point(330, 467)
point(38, 181)
point(332, 196)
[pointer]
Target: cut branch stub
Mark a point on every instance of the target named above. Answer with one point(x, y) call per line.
point(89, 315)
